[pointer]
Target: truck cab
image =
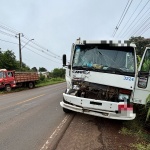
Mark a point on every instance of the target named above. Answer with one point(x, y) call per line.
point(102, 79)
point(7, 79)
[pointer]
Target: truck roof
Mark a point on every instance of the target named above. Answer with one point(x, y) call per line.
point(111, 42)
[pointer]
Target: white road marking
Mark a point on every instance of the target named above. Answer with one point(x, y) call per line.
point(54, 134)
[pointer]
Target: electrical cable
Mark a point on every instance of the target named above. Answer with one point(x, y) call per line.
point(144, 30)
point(136, 18)
point(9, 42)
point(42, 56)
point(130, 18)
point(123, 15)
point(9, 28)
point(42, 47)
point(40, 50)
point(8, 34)
point(137, 23)
point(5, 28)
point(140, 28)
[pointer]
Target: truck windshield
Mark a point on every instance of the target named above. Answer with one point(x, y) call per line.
point(1, 74)
point(119, 60)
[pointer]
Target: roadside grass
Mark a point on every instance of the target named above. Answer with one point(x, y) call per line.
point(51, 81)
point(40, 83)
point(136, 128)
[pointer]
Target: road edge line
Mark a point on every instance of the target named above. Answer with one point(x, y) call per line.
point(56, 136)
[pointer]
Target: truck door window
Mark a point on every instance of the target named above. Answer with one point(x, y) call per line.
point(146, 62)
point(144, 73)
point(9, 74)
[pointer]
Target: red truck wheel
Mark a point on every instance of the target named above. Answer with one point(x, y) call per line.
point(8, 88)
point(31, 85)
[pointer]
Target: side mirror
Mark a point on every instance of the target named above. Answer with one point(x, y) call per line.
point(64, 59)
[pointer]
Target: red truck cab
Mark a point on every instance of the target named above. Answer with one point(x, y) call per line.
point(7, 79)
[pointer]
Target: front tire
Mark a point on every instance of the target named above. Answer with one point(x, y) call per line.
point(8, 88)
point(66, 110)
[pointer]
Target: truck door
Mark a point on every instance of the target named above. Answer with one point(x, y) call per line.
point(142, 87)
point(9, 77)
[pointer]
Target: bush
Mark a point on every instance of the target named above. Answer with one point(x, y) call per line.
point(42, 77)
point(56, 79)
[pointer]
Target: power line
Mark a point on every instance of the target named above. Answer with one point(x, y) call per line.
point(9, 28)
point(41, 50)
point(130, 17)
point(122, 16)
point(42, 56)
point(141, 23)
point(42, 47)
point(8, 34)
point(8, 41)
point(136, 17)
point(140, 27)
point(144, 31)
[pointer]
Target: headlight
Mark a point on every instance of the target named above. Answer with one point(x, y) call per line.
point(76, 87)
point(123, 97)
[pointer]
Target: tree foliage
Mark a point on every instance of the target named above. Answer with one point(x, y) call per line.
point(42, 69)
point(8, 60)
point(34, 69)
point(58, 72)
point(140, 43)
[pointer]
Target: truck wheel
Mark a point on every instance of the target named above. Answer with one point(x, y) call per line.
point(8, 88)
point(66, 110)
point(31, 85)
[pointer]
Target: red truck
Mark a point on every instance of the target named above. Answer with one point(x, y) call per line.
point(11, 79)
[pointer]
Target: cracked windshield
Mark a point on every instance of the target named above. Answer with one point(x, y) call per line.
point(96, 58)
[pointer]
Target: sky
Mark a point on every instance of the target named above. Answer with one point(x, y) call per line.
point(56, 24)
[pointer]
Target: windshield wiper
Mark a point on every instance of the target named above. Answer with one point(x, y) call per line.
point(83, 68)
point(120, 71)
point(115, 70)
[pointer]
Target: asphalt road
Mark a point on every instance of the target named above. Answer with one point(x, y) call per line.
point(28, 118)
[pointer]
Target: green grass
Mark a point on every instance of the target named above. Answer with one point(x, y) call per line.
point(49, 82)
point(141, 146)
point(136, 129)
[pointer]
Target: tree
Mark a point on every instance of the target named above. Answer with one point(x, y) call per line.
point(25, 67)
point(34, 69)
point(8, 60)
point(42, 69)
point(58, 73)
point(140, 43)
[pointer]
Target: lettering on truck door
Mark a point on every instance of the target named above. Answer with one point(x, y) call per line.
point(142, 88)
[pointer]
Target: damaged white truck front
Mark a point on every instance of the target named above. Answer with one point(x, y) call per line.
point(101, 79)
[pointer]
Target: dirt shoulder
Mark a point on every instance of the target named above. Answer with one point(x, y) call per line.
point(95, 133)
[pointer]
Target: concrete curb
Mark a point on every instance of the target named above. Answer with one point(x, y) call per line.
point(53, 140)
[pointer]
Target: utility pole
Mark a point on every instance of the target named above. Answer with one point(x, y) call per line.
point(20, 48)
point(20, 55)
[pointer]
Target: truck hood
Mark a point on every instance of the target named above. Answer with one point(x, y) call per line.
point(115, 80)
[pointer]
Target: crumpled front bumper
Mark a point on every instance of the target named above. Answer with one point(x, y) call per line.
point(96, 107)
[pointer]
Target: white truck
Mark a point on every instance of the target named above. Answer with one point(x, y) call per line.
point(103, 79)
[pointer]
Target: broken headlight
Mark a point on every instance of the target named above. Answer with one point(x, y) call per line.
point(76, 87)
point(123, 97)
